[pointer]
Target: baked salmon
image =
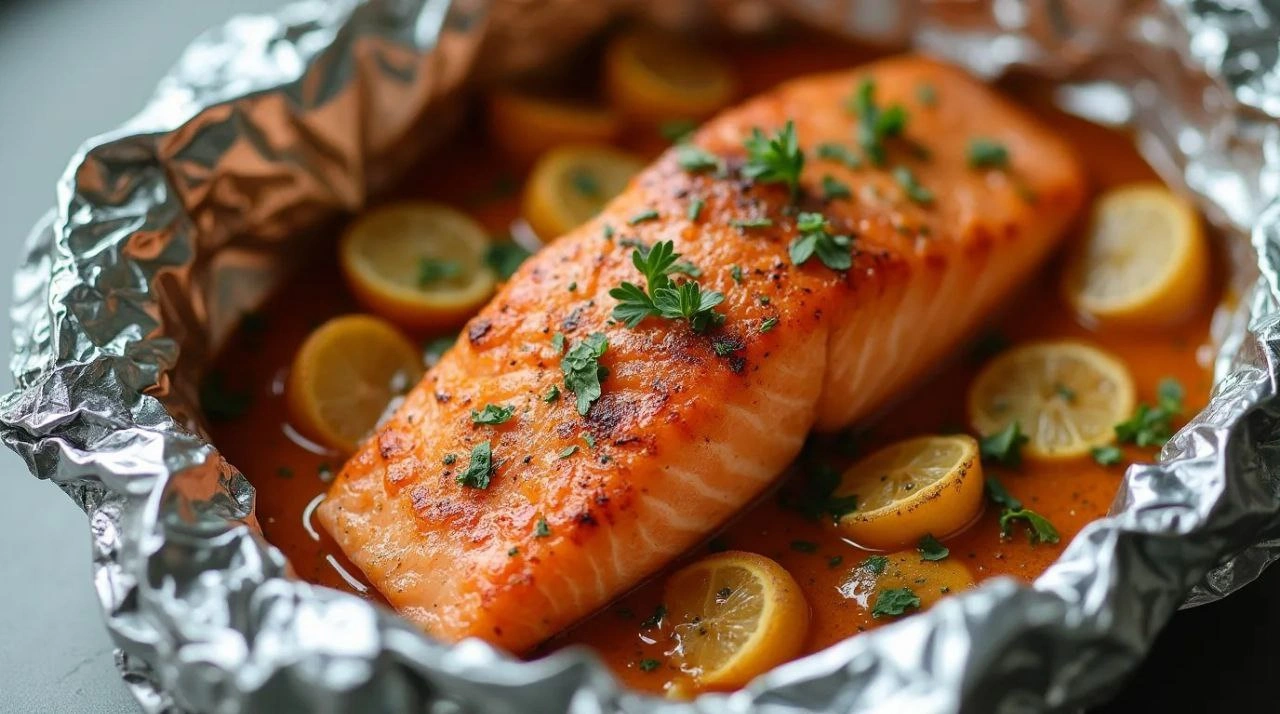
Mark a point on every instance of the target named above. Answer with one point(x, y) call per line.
point(512, 531)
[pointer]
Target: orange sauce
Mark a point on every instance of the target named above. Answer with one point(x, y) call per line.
point(290, 474)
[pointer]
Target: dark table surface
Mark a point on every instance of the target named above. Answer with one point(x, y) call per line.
point(71, 68)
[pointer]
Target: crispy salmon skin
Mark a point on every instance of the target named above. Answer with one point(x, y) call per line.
point(691, 427)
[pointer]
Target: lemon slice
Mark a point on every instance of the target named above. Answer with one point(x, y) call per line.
point(652, 77)
point(571, 184)
point(1144, 261)
point(1066, 397)
point(525, 125)
point(928, 484)
point(735, 615)
point(345, 374)
point(418, 264)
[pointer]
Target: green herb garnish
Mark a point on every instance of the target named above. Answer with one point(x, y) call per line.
point(1153, 426)
point(552, 394)
point(875, 564)
point(833, 189)
point(654, 620)
point(480, 467)
point(432, 271)
point(557, 342)
point(450, 459)
point(648, 664)
point(1005, 446)
point(735, 272)
point(697, 160)
point(907, 180)
point(1039, 529)
point(876, 124)
point(664, 298)
point(987, 154)
point(1107, 455)
point(582, 370)
point(894, 602)
point(839, 153)
point(746, 223)
point(643, 217)
point(541, 529)
point(816, 239)
point(695, 208)
point(504, 257)
point(776, 159)
point(768, 324)
point(931, 549)
point(492, 414)
point(568, 451)
point(584, 183)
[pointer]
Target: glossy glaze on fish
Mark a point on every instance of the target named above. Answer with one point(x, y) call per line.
point(692, 427)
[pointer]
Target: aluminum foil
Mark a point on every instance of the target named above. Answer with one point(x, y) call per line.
point(166, 229)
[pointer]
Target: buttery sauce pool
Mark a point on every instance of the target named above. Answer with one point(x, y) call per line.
point(292, 473)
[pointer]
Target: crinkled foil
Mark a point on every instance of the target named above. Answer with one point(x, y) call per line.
point(168, 228)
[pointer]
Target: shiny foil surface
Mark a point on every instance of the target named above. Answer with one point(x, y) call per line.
point(170, 227)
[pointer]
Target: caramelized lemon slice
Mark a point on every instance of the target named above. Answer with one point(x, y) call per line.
point(571, 184)
point(345, 374)
point(652, 77)
point(1066, 397)
point(1144, 261)
point(735, 616)
point(417, 264)
point(526, 125)
point(929, 484)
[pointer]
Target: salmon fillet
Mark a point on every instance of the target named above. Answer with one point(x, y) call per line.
point(691, 427)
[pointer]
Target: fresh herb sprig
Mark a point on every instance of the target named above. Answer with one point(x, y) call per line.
point(583, 371)
point(876, 124)
point(664, 298)
point(1153, 426)
point(775, 159)
point(1039, 529)
point(816, 239)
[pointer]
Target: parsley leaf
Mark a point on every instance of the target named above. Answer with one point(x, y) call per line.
point(776, 159)
point(876, 564)
point(815, 239)
point(1153, 426)
point(875, 124)
point(643, 217)
point(582, 370)
point(689, 302)
point(541, 529)
point(584, 183)
point(697, 160)
point(838, 153)
point(695, 208)
point(492, 414)
point(649, 664)
point(504, 257)
point(480, 468)
point(894, 602)
point(745, 223)
point(931, 549)
point(1039, 529)
point(552, 394)
point(432, 271)
point(1107, 455)
point(910, 186)
point(1005, 446)
point(987, 154)
point(568, 451)
point(1000, 496)
point(833, 188)
point(665, 299)
point(735, 272)
point(768, 324)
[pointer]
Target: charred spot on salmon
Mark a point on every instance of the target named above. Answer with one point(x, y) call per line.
point(815, 238)
point(570, 323)
point(478, 329)
point(480, 468)
point(775, 159)
point(582, 370)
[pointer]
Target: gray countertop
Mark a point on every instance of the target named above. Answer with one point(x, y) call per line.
point(68, 69)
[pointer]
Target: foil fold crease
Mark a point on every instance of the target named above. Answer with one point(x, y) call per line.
point(167, 229)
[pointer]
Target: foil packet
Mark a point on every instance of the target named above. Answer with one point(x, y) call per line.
point(167, 229)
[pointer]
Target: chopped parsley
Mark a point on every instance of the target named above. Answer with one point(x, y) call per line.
point(768, 324)
point(894, 602)
point(568, 451)
point(1107, 455)
point(450, 459)
point(654, 620)
point(835, 561)
point(1004, 447)
point(804, 546)
point(1153, 426)
point(649, 664)
point(557, 342)
point(607, 232)
point(573, 287)
point(541, 529)
point(815, 239)
point(910, 186)
point(552, 394)
point(875, 564)
point(587, 437)
point(432, 271)
point(492, 414)
point(839, 153)
point(746, 223)
point(1067, 393)
point(697, 160)
point(931, 549)
point(724, 348)
point(582, 370)
point(643, 217)
point(480, 468)
point(665, 299)
point(876, 124)
point(1039, 529)
point(513, 552)
point(695, 208)
point(775, 159)
point(987, 154)
point(833, 188)
point(735, 272)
